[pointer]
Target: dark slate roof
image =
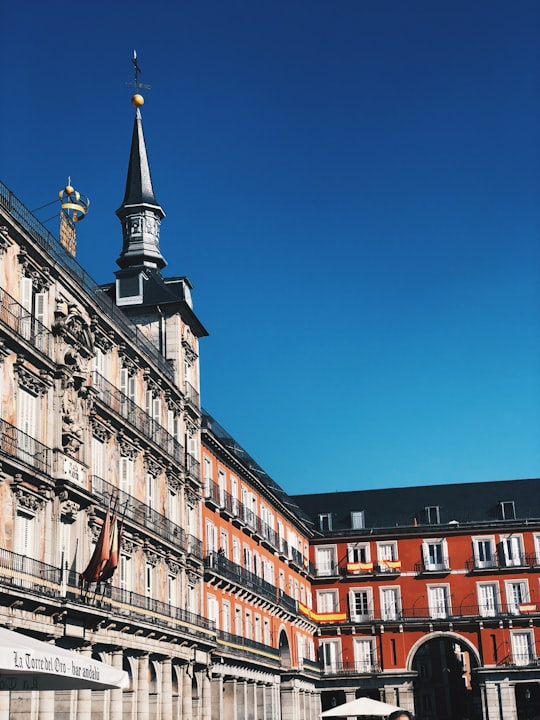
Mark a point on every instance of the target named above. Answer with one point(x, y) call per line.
point(462, 503)
point(139, 189)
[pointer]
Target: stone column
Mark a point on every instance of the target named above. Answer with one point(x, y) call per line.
point(165, 697)
point(46, 705)
point(116, 696)
point(230, 708)
point(84, 697)
point(186, 694)
point(206, 702)
point(143, 701)
point(216, 697)
point(241, 700)
point(4, 704)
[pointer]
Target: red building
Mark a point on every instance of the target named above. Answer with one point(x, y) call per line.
point(429, 598)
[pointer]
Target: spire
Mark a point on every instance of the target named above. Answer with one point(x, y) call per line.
point(140, 213)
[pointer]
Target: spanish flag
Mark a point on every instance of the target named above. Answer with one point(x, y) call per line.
point(101, 554)
point(115, 541)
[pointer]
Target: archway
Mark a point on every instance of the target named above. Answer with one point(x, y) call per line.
point(284, 650)
point(445, 686)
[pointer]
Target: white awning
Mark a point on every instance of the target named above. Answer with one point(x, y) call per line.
point(363, 706)
point(29, 664)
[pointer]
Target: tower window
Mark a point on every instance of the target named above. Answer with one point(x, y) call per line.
point(508, 510)
point(357, 519)
point(325, 522)
point(433, 515)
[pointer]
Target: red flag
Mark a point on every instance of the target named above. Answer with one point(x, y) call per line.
point(115, 541)
point(101, 553)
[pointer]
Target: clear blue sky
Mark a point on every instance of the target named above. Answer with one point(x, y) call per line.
point(353, 188)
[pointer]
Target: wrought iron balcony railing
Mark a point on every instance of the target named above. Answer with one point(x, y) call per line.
point(237, 643)
point(218, 563)
point(351, 667)
point(192, 396)
point(24, 323)
point(138, 512)
point(113, 398)
point(26, 449)
point(193, 467)
point(32, 576)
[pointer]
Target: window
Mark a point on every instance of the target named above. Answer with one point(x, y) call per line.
point(149, 492)
point(433, 515)
point(27, 421)
point(249, 625)
point(226, 617)
point(435, 554)
point(360, 605)
point(127, 384)
point(512, 551)
point(125, 572)
point(325, 560)
point(236, 550)
point(24, 540)
point(238, 620)
point(325, 522)
point(267, 632)
point(387, 557)
point(517, 593)
point(522, 647)
point(507, 510)
point(438, 598)
point(258, 631)
point(330, 652)
point(364, 655)
point(212, 609)
point(98, 458)
point(172, 590)
point(221, 486)
point(357, 519)
point(484, 552)
point(358, 553)
point(327, 601)
point(210, 538)
point(390, 605)
point(127, 475)
point(148, 580)
point(207, 475)
point(488, 599)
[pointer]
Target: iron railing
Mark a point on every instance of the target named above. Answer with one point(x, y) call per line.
point(137, 511)
point(351, 667)
point(24, 448)
point(237, 642)
point(113, 398)
point(192, 396)
point(24, 323)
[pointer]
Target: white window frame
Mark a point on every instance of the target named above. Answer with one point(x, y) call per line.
point(432, 563)
point(365, 597)
point(386, 551)
point(489, 600)
point(327, 601)
point(512, 550)
point(390, 599)
point(364, 654)
point(517, 593)
point(439, 601)
point(330, 654)
point(325, 560)
point(480, 545)
point(522, 644)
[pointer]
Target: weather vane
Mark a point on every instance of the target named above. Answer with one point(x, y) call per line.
point(135, 83)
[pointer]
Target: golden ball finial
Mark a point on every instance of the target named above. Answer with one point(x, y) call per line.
point(137, 100)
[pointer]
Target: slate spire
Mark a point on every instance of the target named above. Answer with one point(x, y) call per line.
point(140, 213)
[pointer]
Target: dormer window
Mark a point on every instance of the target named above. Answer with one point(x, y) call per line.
point(433, 515)
point(357, 519)
point(129, 290)
point(507, 510)
point(325, 522)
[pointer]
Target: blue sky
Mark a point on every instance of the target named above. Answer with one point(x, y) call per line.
point(353, 189)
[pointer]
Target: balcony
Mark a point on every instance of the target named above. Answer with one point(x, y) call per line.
point(238, 645)
point(432, 568)
point(331, 569)
point(192, 396)
point(193, 467)
point(36, 580)
point(23, 323)
point(351, 667)
point(220, 566)
point(27, 450)
point(115, 400)
point(138, 512)
point(519, 561)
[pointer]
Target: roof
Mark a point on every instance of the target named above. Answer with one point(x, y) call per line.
point(478, 502)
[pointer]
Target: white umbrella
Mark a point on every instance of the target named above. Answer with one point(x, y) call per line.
point(29, 664)
point(361, 706)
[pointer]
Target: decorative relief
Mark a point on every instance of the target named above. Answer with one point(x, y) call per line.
point(128, 362)
point(173, 405)
point(152, 558)
point(173, 566)
point(99, 431)
point(5, 241)
point(193, 578)
point(69, 510)
point(174, 483)
point(128, 545)
point(31, 382)
point(102, 339)
point(127, 448)
point(41, 278)
point(152, 385)
point(191, 497)
point(189, 353)
point(151, 465)
point(28, 499)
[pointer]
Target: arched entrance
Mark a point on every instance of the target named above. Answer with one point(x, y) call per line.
point(284, 650)
point(445, 687)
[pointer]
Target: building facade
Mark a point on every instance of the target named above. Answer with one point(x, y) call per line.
point(135, 530)
point(429, 598)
